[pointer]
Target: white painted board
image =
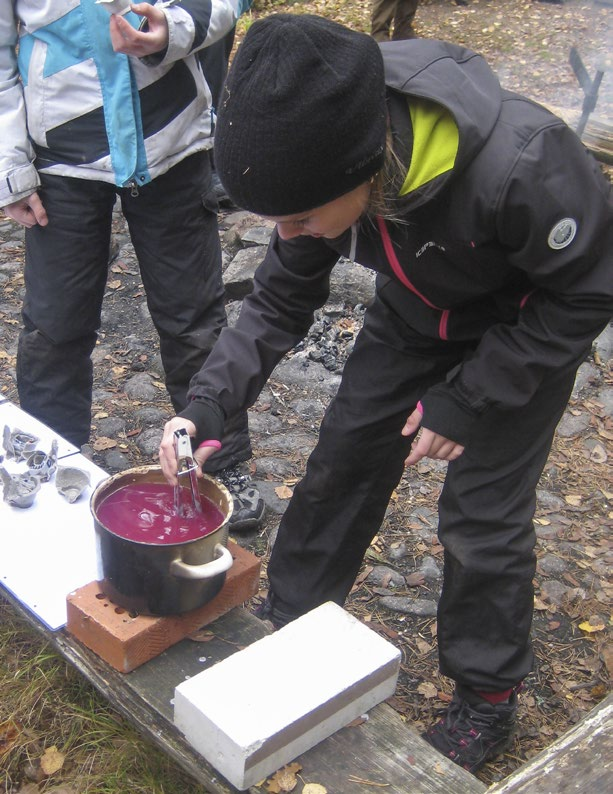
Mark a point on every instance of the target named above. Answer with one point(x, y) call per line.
point(49, 549)
point(15, 418)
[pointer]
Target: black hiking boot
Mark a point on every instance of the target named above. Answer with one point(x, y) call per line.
point(248, 504)
point(471, 734)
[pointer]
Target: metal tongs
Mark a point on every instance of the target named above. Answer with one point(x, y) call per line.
point(186, 466)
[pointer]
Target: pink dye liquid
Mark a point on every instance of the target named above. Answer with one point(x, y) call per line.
point(145, 512)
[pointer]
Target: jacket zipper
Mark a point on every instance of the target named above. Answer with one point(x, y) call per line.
point(402, 277)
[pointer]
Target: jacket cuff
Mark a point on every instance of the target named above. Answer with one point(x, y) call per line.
point(208, 417)
point(447, 414)
point(18, 184)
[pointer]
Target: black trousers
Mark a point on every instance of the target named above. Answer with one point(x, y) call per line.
point(173, 226)
point(485, 508)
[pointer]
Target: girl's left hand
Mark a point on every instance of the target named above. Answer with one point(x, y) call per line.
point(139, 43)
point(428, 444)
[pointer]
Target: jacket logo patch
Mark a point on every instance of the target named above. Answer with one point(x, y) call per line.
point(562, 234)
point(425, 246)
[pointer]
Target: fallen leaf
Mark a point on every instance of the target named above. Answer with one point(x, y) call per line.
point(427, 689)
point(102, 443)
point(52, 760)
point(283, 492)
point(314, 788)
point(607, 657)
point(285, 779)
point(9, 734)
point(573, 499)
point(202, 635)
point(115, 284)
point(598, 454)
point(590, 628)
point(415, 579)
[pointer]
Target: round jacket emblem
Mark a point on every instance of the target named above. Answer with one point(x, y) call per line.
point(562, 234)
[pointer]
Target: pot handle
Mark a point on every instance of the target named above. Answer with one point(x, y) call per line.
point(207, 570)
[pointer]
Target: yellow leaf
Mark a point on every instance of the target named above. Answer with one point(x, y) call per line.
point(52, 761)
point(314, 788)
point(542, 522)
point(114, 284)
point(573, 499)
point(587, 626)
point(283, 492)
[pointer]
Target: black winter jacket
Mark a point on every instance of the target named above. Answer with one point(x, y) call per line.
point(511, 251)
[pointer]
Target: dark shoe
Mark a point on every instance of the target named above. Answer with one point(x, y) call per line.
point(267, 612)
point(248, 504)
point(220, 192)
point(473, 734)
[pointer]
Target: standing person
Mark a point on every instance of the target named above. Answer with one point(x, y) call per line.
point(396, 14)
point(491, 230)
point(94, 107)
point(214, 61)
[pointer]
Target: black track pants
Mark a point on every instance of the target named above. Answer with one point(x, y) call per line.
point(173, 226)
point(486, 506)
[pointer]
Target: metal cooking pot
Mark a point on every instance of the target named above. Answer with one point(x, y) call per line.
point(162, 579)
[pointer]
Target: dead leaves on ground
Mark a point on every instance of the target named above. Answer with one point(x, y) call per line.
point(9, 736)
point(286, 779)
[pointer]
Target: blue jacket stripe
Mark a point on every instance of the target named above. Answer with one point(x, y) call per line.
point(119, 95)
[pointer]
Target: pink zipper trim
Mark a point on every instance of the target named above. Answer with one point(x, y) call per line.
point(442, 325)
point(401, 275)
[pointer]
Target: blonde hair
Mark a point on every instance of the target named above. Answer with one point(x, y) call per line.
point(385, 199)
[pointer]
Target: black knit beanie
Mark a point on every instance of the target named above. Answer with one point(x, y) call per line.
point(302, 120)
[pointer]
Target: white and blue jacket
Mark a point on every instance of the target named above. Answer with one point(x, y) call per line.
point(70, 105)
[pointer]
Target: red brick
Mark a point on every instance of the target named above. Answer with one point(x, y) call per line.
point(127, 642)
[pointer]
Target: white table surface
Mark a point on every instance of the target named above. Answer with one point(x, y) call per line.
point(49, 549)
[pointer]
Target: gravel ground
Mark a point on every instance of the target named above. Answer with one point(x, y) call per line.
point(397, 590)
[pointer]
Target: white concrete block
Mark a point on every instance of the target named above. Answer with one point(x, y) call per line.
point(258, 709)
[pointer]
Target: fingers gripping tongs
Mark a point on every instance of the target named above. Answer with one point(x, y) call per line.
point(186, 466)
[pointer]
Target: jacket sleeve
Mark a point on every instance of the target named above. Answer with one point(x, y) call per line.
point(194, 24)
point(555, 218)
point(292, 281)
point(18, 176)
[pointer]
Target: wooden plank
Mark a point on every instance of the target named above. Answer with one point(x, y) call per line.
point(387, 756)
point(597, 135)
point(580, 760)
point(382, 750)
